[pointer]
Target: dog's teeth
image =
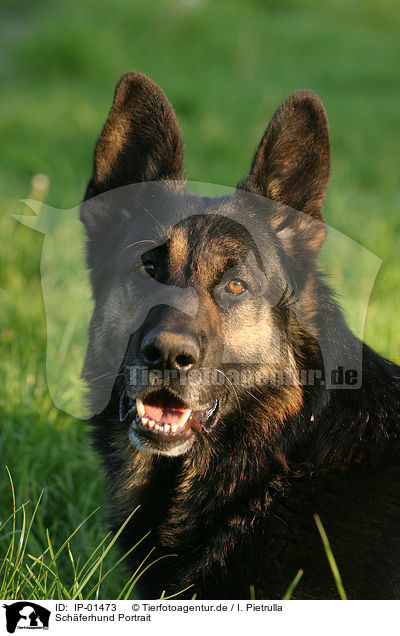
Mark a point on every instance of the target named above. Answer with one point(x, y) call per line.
point(160, 426)
point(184, 417)
point(140, 407)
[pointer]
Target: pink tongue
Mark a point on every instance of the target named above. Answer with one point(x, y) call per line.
point(165, 416)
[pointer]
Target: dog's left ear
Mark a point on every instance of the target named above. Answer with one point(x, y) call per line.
point(140, 140)
point(292, 161)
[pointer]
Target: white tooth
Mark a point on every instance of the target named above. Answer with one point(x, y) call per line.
point(140, 407)
point(151, 424)
point(184, 418)
point(167, 428)
point(157, 427)
point(145, 420)
point(174, 428)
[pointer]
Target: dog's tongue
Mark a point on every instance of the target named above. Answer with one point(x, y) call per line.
point(165, 415)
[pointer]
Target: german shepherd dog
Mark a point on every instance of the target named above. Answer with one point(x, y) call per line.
point(226, 475)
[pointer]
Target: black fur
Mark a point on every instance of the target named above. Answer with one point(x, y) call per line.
point(235, 507)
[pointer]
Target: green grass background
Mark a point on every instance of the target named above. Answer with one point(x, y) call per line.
point(225, 66)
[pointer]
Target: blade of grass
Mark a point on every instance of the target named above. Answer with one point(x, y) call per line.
point(292, 586)
point(166, 598)
point(145, 570)
point(19, 553)
point(28, 531)
point(100, 579)
point(10, 550)
point(4, 523)
point(38, 575)
point(127, 584)
point(36, 581)
point(331, 558)
point(63, 546)
point(56, 582)
point(71, 558)
point(100, 560)
point(116, 564)
point(53, 564)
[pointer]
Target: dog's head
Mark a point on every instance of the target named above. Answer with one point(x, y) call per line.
point(198, 300)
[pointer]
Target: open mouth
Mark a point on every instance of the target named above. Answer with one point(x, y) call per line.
point(161, 413)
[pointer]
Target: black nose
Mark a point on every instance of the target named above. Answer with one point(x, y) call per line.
point(169, 350)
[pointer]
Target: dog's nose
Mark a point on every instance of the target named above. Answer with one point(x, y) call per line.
point(169, 350)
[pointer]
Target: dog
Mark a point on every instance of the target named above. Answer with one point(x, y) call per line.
point(224, 473)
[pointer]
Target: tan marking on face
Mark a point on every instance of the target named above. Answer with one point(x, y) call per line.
point(211, 258)
point(178, 250)
point(250, 340)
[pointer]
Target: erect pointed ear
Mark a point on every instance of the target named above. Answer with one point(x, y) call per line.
point(292, 162)
point(140, 140)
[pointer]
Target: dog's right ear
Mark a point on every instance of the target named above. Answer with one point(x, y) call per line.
point(140, 140)
point(292, 161)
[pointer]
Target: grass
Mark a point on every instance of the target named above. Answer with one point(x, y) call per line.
point(225, 66)
point(289, 592)
point(29, 577)
point(26, 576)
point(331, 558)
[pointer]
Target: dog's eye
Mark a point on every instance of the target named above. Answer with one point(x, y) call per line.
point(236, 286)
point(147, 269)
